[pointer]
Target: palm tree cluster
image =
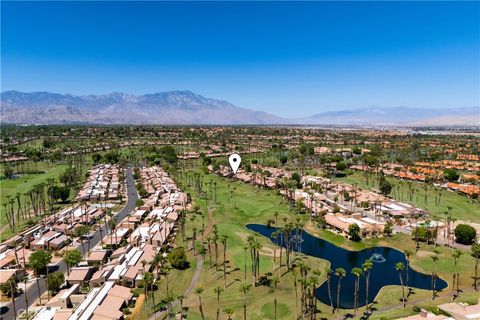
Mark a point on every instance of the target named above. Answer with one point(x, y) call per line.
point(38, 201)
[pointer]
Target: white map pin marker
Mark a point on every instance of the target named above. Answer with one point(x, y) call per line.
point(234, 161)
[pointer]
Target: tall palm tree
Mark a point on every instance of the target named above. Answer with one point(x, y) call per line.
point(476, 254)
point(39, 260)
point(408, 253)
point(274, 237)
point(315, 283)
point(13, 292)
point(400, 267)
point(215, 243)
point(340, 273)
point(366, 267)
point(329, 272)
point(180, 298)
point(209, 241)
point(245, 248)
point(224, 241)
point(147, 283)
point(255, 247)
point(357, 272)
point(295, 275)
point(25, 281)
point(312, 284)
point(199, 292)
point(245, 288)
point(194, 240)
point(275, 281)
point(437, 252)
point(218, 291)
point(456, 275)
point(304, 268)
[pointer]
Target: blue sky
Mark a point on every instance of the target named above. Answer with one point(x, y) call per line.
point(291, 59)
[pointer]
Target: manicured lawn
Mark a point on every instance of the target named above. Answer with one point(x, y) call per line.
point(23, 184)
point(250, 204)
point(178, 282)
point(462, 207)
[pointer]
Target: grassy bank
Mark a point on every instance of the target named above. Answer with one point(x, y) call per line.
point(239, 204)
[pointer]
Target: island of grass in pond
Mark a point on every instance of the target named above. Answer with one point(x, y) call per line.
point(382, 274)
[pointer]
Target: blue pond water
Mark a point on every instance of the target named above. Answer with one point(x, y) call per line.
point(383, 272)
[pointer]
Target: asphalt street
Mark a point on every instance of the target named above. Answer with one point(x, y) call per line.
point(32, 289)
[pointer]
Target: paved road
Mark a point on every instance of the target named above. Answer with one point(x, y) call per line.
point(32, 290)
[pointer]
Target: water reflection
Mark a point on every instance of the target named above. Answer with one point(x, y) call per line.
point(383, 272)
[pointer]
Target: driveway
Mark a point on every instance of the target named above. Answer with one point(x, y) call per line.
point(32, 290)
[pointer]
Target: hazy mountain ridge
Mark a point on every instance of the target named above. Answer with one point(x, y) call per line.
point(171, 107)
point(186, 107)
point(395, 116)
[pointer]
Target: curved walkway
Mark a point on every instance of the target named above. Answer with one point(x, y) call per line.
point(196, 275)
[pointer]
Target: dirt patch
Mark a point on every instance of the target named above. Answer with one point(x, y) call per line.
point(138, 306)
point(269, 252)
point(242, 235)
point(424, 254)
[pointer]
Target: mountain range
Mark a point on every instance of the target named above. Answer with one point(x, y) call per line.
point(188, 108)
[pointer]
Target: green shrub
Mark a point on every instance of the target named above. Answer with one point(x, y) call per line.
point(465, 234)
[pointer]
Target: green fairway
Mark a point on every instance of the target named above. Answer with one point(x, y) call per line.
point(249, 204)
point(462, 207)
point(22, 184)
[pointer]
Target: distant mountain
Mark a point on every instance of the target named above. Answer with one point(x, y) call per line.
point(171, 107)
point(186, 107)
point(401, 116)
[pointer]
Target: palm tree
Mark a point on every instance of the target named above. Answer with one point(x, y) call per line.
point(180, 298)
point(13, 292)
point(456, 275)
point(224, 241)
point(39, 260)
point(274, 237)
point(218, 291)
point(245, 248)
point(275, 281)
point(476, 254)
point(255, 247)
point(113, 225)
point(194, 239)
point(169, 299)
point(315, 283)
point(328, 271)
point(199, 292)
point(434, 271)
point(340, 273)
point(408, 253)
point(357, 272)
point(25, 280)
point(366, 267)
point(295, 274)
point(228, 311)
point(400, 267)
point(304, 268)
point(245, 288)
point(165, 270)
point(147, 283)
point(215, 243)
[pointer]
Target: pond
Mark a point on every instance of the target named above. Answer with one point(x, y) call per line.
point(383, 272)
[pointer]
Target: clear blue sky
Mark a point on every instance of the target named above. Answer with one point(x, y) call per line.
point(291, 59)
